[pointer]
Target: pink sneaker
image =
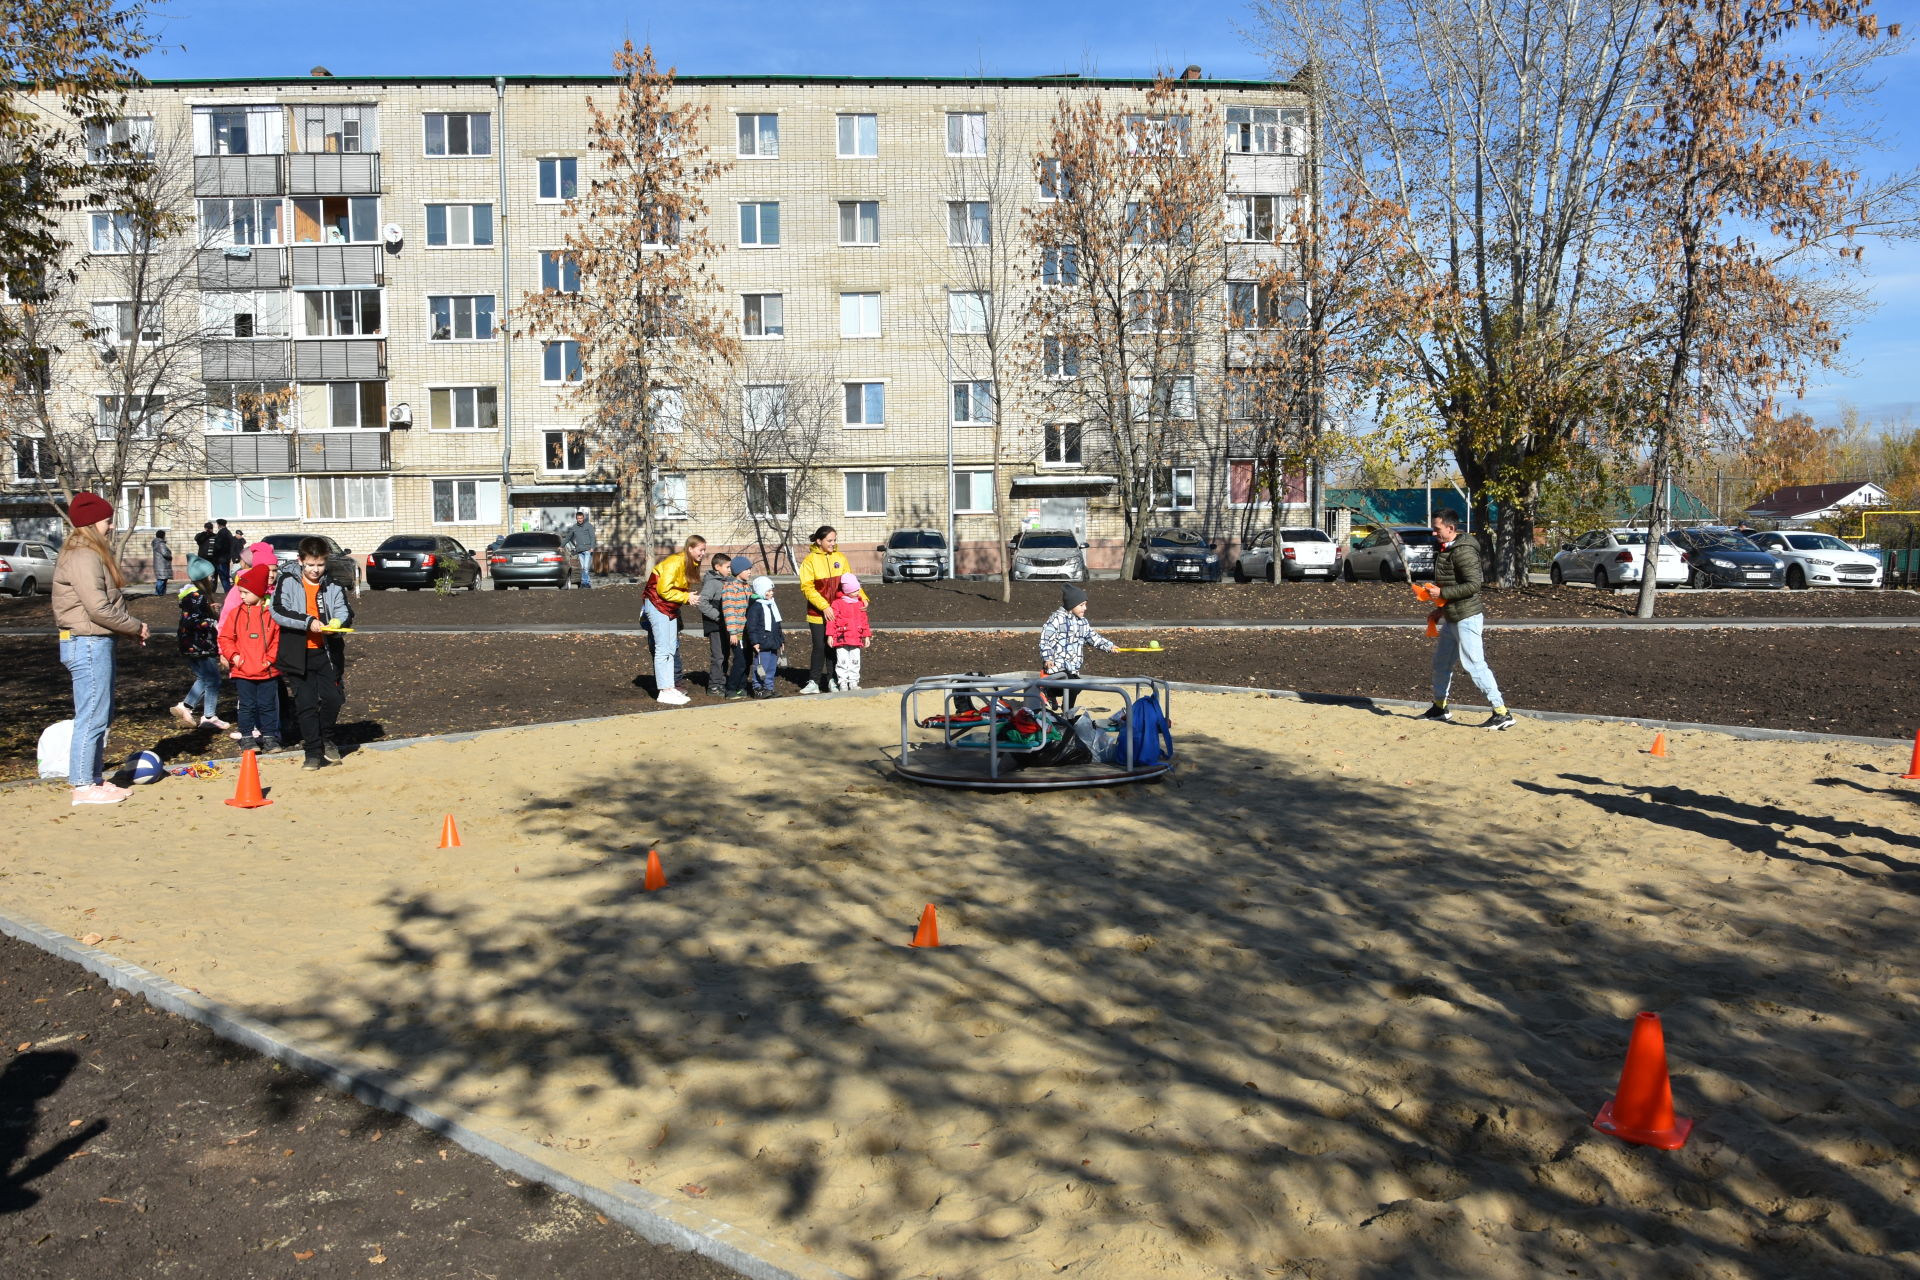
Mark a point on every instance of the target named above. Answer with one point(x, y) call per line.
point(236, 735)
point(179, 712)
point(213, 722)
point(100, 793)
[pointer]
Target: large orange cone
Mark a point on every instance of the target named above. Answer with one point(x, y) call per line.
point(656, 874)
point(246, 793)
point(928, 934)
point(450, 833)
point(1913, 768)
point(1642, 1107)
point(1659, 749)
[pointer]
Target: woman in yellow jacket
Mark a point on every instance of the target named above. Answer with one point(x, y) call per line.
point(669, 586)
point(819, 573)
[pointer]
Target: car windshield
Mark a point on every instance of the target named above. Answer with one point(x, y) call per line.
point(1031, 540)
point(1630, 537)
point(916, 540)
point(1417, 537)
point(1304, 535)
point(408, 544)
point(283, 541)
point(1176, 538)
point(544, 541)
point(1816, 542)
point(1725, 540)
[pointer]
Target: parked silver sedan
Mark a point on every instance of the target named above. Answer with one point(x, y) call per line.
point(26, 567)
point(1397, 554)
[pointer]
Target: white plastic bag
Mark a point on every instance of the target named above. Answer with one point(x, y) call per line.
point(56, 741)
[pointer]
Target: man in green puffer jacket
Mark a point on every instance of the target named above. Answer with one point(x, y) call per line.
point(1458, 575)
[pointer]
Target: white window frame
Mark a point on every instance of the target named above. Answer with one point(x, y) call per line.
point(967, 136)
point(326, 227)
point(359, 308)
point(670, 496)
point(426, 135)
point(580, 434)
point(1169, 499)
point(133, 132)
point(122, 320)
point(1281, 133)
point(669, 411)
point(220, 311)
point(451, 391)
point(957, 314)
point(1048, 438)
point(334, 392)
point(142, 498)
point(106, 422)
point(481, 515)
point(447, 222)
point(210, 237)
point(1060, 267)
point(121, 237)
point(547, 347)
point(865, 306)
point(44, 461)
point(969, 224)
point(540, 176)
point(977, 391)
point(857, 206)
point(776, 419)
point(1052, 181)
point(760, 135)
point(1246, 210)
point(846, 393)
point(1255, 483)
point(1173, 392)
point(841, 121)
point(561, 261)
point(756, 302)
point(473, 319)
point(382, 485)
point(973, 476)
point(1144, 133)
point(225, 420)
point(262, 513)
point(1054, 352)
point(866, 475)
point(786, 493)
point(759, 208)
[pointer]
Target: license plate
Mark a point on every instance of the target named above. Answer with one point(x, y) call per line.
point(1189, 568)
point(918, 571)
point(526, 559)
point(397, 564)
point(1754, 573)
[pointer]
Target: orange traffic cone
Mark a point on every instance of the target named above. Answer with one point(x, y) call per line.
point(656, 874)
point(1642, 1107)
point(928, 934)
point(1913, 768)
point(246, 793)
point(449, 834)
point(1659, 750)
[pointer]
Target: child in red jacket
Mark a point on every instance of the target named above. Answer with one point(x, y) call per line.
point(249, 641)
point(848, 632)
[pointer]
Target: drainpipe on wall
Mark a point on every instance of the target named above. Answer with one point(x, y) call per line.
point(501, 225)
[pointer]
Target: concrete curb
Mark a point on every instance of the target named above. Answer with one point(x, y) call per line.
point(646, 1213)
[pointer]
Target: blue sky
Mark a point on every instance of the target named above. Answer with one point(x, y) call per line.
point(861, 37)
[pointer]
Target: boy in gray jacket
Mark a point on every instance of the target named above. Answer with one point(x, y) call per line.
point(310, 606)
point(713, 622)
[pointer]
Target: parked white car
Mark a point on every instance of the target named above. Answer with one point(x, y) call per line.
point(26, 567)
point(1612, 557)
point(1819, 560)
point(1398, 554)
point(1304, 554)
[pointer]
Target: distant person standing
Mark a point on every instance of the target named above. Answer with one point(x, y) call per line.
point(203, 541)
point(580, 540)
point(222, 556)
point(1458, 578)
point(162, 562)
point(89, 611)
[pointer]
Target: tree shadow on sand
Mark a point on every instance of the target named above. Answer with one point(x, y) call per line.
point(1253, 1016)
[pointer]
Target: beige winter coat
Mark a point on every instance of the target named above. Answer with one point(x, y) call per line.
point(85, 601)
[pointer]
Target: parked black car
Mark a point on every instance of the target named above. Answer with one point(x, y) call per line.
point(1723, 558)
point(341, 566)
point(531, 560)
point(1177, 555)
point(414, 560)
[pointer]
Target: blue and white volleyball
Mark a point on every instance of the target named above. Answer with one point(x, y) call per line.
point(147, 767)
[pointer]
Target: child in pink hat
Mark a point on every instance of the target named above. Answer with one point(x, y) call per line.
point(848, 631)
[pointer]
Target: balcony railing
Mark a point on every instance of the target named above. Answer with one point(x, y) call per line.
point(338, 265)
point(258, 360)
point(308, 452)
point(250, 454)
point(243, 267)
point(339, 359)
point(239, 175)
point(334, 174)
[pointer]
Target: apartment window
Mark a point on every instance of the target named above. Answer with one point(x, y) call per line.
point(240, 222)
point(112, 233)
point(238, 131)
point(973, 403)
point(759, 135)
point(661, 226)
point(462, 409)
point(1159, 310)
point(669, 410)
point(966, 133)
point(1157, 135)
point(459, 226)
point(459, 133)
point(144, 506)
point(350, 406)
point(115, 141)
point(1259, 218)
point(1060, 446)
point(973, 493)
point(340, 313)
point(866, 493)
point(866, 403)
point(235, 407)
point(967, 311)
point(1059, 358)
point(337, 220)
point(760, 224)
point(566, 451)
point(670, 496)
point(263, 314)
point(466, 502)
point(1054, 183)
point(1264, 306)
point(349, 498)
point(1250, 483)
point(142, 411)
point(337, 130)
point(1173, 488)
point(1060, 265)
point(559, 178)
point(1149, 222)
point(1266, 131)
point(859, 315)
point(859, 136)
point(559, 272)
point(33, 459)
point(969, 222)
point(461, 317)
point(766, 406)
point(859, 222)
point(560, 362)
point(1250, 395)
point(253, 498)
point(113, 322)
point(767, 493)
point(1164, 397)
point(763, 315)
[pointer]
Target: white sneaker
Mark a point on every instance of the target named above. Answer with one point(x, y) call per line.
point(809, 687)
point(236, 735)
point(673, 698)
point(100, 793)
point(179, 712)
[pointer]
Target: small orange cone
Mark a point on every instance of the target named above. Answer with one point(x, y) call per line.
point(246, 793)
point(928, 934)
point(656, 874)
point(449, 834)
point(1642, 1107)
point(1659, 751)
point(1913, 768)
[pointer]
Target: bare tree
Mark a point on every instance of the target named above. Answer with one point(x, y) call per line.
point(632, 288)
point(769, 429)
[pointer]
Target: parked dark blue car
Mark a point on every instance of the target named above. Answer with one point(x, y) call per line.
point(1178, 555)
point(1724, 558)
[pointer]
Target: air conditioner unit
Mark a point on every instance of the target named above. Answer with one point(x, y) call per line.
point(238, 251)
point(400, 416)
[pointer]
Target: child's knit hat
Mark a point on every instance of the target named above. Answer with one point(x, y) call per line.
point(762, 585)
point(740, 565)
point(198, 569)
point(849, 585)
point(255, 579)
point(1072, 597)
point(262, 553)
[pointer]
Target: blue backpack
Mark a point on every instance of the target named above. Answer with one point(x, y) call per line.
point(1147, 728)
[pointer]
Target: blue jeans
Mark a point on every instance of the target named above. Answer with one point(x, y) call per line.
point(765, 666)
point(1461, 640)
point(89, 660)
point(663, 638)
point(204, 694)
point(259, 708)
point(586, 570)
point(224, 571)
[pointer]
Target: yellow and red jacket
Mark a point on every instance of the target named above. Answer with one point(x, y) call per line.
point(820, 567)
point(668, 586)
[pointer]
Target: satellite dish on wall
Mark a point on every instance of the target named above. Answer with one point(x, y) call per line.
point(393, 234)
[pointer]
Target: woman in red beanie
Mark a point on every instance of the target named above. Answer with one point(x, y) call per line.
point(88, 607)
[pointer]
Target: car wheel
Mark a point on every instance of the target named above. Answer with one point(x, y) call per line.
point(1347, 573)
point(1600, 579)
point(1556, 577)
point(27, 588)
point(1796, 579)
point(1698, 580)
point(1386, 572)
point(473, 583)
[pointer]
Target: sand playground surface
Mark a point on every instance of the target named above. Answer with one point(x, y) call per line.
point(1338, 999)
